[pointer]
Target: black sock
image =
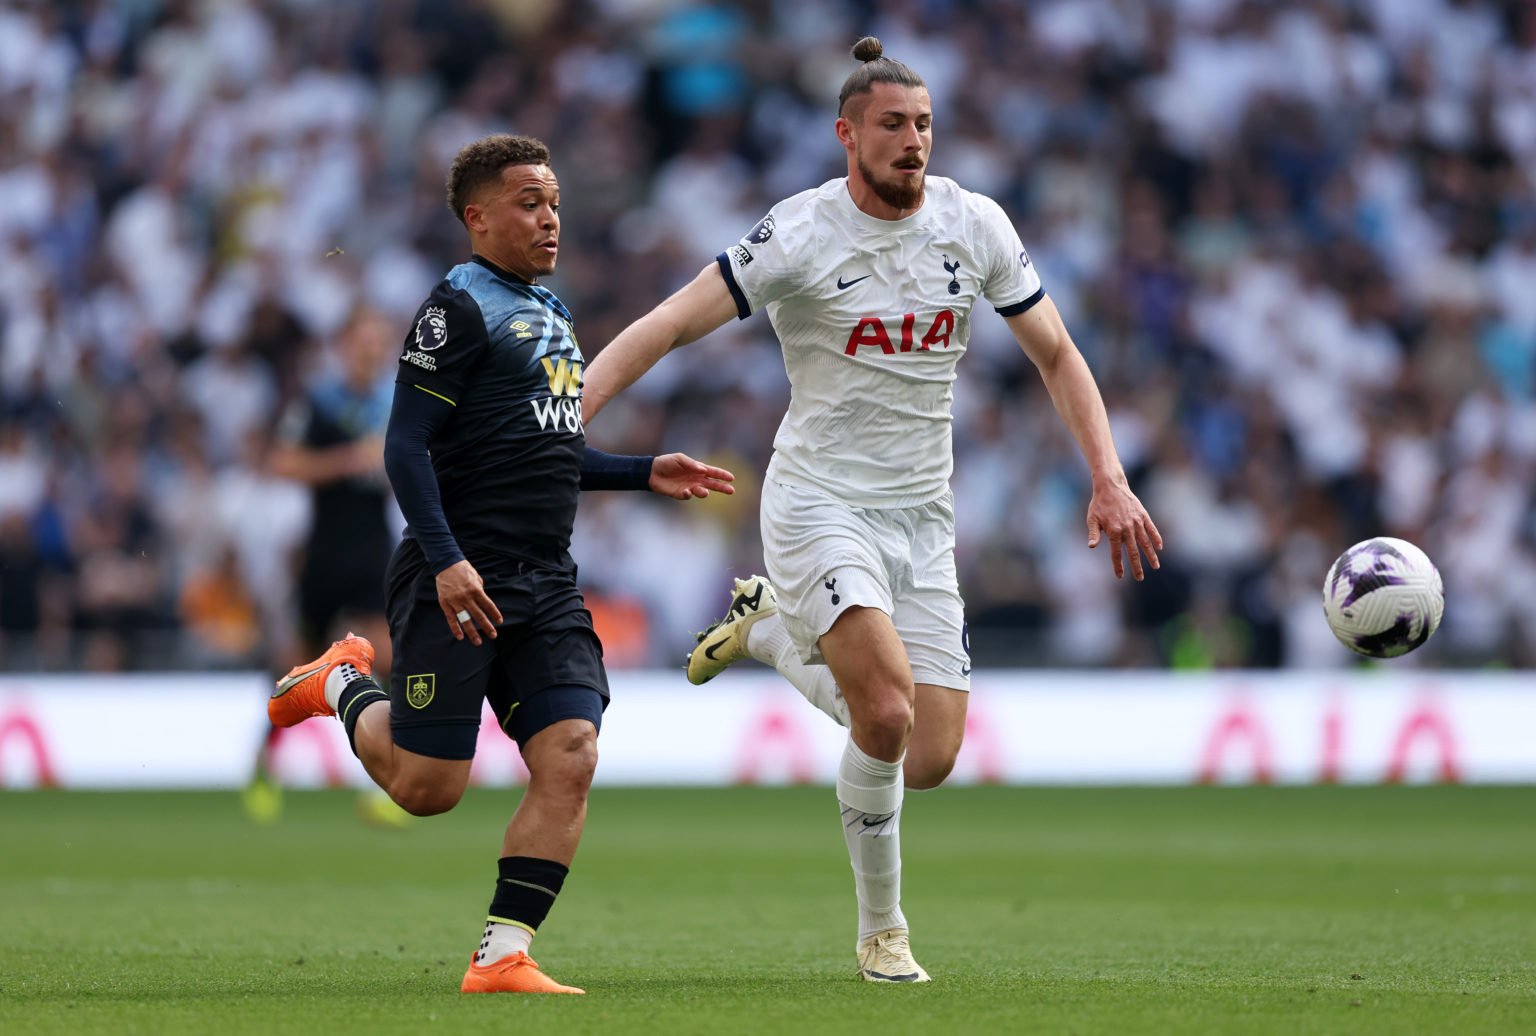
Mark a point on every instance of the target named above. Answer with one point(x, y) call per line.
point(526, 890)
point(354, 698)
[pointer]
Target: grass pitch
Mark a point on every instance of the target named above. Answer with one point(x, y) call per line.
point(1330, 910)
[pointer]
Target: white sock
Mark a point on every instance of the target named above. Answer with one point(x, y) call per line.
point(502, 940)
point(336, 681)
point(768, 642)
point(869, 791)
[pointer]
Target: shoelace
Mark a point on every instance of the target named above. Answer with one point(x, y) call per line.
point(525, 962)
point(897, 947)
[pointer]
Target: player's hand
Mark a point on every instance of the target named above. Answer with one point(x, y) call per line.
point(460, 590)
point(680, 476)
point(1115, 512)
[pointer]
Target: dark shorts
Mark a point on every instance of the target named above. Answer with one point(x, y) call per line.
point(329, 591)
point(545, 665)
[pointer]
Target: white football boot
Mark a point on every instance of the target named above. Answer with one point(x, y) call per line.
point(887, 957)
point(725, 642)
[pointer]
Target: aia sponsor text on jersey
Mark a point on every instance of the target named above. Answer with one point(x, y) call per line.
point(874, 332)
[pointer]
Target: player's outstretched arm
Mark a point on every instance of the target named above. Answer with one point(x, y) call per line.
point(702, 305)
point(672, 474)
point(1114, 511)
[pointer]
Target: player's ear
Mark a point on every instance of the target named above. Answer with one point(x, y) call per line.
point(474, 218)
point(844, 130)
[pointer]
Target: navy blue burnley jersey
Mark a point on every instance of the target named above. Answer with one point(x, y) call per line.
point(508, 460)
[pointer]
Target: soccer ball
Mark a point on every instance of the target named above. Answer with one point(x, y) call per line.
point(1383, 597)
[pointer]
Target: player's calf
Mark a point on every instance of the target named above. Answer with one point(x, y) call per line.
point(926, 774)
point(424, 800)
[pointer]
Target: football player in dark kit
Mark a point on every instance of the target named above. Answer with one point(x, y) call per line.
point(332, 440)
point(486, 454)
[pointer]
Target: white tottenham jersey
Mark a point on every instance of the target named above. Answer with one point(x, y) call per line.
point(873, 315)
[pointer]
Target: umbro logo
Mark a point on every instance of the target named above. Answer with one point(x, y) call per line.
point(843, 285)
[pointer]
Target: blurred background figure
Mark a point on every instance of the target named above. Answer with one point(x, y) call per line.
point(331, 439)
point(1295, 242)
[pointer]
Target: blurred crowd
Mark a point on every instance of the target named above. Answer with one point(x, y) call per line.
point(1296, 243)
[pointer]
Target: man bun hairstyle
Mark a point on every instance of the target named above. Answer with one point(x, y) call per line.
point(877, 68)
point(478, 165)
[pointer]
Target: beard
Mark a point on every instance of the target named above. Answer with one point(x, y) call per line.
point(906, 193)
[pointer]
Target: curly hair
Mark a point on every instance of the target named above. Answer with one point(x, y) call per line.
point(479, 164)
point(876, 69)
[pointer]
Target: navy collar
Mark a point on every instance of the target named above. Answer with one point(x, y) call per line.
point(544, 295)
point(506, 275)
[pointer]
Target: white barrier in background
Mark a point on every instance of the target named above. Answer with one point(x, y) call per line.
point(1026, 727)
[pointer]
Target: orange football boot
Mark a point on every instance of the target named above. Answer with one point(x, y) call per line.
point(301, 694)
point(516, 973)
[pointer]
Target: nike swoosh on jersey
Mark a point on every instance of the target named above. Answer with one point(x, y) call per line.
point(844, 286)
point(287, 683)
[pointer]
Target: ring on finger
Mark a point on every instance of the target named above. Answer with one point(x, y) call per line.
point(462, 615)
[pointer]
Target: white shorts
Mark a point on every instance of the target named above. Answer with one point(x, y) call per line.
point(824, 557)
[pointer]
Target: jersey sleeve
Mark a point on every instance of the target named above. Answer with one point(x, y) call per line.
point(764, 266)
point(1012, 285)
point(444, 345)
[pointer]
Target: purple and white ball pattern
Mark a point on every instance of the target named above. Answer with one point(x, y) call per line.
point(1383, 597)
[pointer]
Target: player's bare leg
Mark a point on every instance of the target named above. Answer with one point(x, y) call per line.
point(865, 644)
point(869, 662)
point(538, 846)
point(536, 854)
point(546, 826)
point(938, 728)
point(753, 628)
point(374, 805)
point(420, 784)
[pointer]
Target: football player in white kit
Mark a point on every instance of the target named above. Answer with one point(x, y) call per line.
point(869, 282)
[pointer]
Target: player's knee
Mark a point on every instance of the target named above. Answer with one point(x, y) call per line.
point(566, 766)
point(425, 799)
point(884, 726)
point(891, 718)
